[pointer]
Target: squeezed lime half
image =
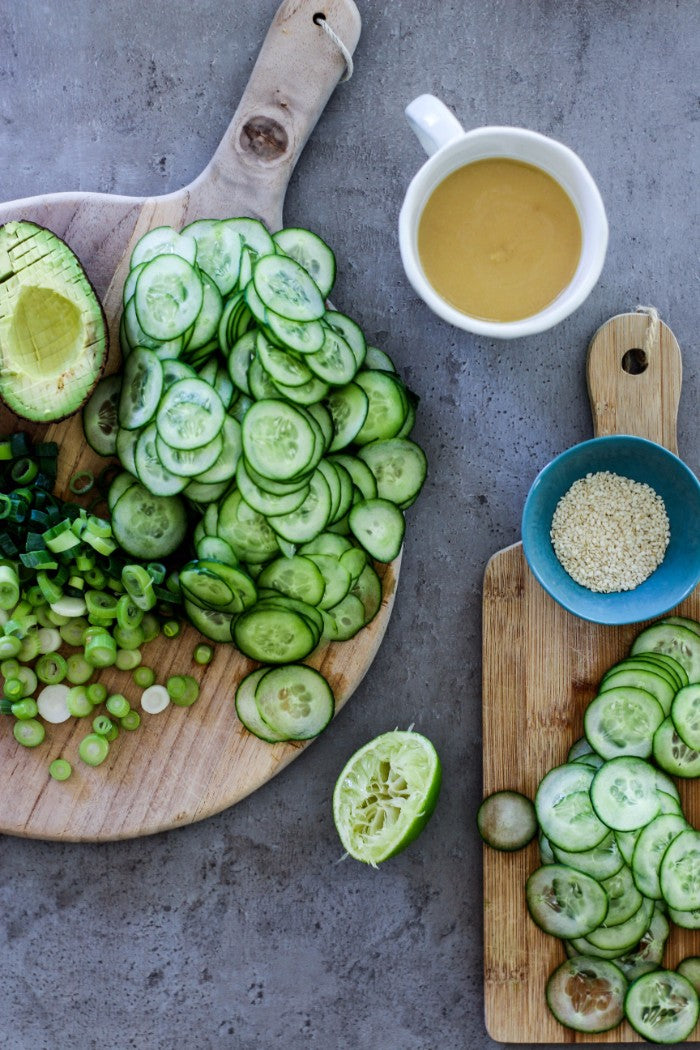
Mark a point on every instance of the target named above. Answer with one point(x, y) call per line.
point(385, 795)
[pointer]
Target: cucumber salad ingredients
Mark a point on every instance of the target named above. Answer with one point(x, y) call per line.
point(610, 532)
point(265, 448)
point(619, 858)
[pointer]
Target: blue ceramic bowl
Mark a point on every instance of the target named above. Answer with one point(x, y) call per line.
point(641, 460)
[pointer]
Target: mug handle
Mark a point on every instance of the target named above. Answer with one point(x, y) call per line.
point(432, 122)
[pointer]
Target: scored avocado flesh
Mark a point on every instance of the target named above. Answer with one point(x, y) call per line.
point(53, 339)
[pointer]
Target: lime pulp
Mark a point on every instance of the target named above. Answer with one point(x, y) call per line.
point(385, 795)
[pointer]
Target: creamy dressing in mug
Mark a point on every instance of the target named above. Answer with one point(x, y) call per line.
point(499, 239)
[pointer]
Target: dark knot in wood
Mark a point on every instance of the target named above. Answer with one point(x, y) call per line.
point(264, 137)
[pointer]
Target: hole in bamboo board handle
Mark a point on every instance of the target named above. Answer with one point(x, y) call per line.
point(635, 361)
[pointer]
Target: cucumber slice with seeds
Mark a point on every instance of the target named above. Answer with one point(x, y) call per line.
point(247, 709)
point(295, 700)
point(168, 297)
point(100, 418)
point(565, 902)
point(285, 287)
point(662, 1006)
point(310, 252)
point(587, 994)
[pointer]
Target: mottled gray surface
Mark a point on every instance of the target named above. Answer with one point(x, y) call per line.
point(244, 931)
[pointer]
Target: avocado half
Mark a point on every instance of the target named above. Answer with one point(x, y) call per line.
point(53, 332)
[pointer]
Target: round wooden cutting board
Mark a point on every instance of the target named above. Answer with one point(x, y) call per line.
point(186, 763)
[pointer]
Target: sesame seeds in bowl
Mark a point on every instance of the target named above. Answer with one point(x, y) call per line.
point(610, 529)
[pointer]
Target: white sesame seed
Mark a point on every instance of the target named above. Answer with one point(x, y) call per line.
point(610, 532)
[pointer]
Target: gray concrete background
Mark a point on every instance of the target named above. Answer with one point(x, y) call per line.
point(244, 931)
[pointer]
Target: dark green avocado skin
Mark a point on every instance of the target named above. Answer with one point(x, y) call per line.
point(53, 330)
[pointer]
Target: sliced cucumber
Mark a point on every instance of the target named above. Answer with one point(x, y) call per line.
point(624, 794)
point(273, 636)
point(587, 994)
point(168, 297)
point(285, 287)
point(379, 526)
point(146, 526)
point(662, 1006)
point(295, 700)
point(507, 820)
point(565, 902)
point(310, 252)
point(247, 709)
point(672, 640)
point(100, 418)
point(278, 440)
point(190, 414)
point(622, 721)
point(679, 875)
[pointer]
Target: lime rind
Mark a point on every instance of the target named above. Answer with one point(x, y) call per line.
point(385, 795)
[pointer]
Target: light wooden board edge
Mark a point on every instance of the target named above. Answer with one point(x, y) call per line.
point(540, 666)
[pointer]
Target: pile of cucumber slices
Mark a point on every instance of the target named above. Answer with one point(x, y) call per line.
point(254, 421)
point(620, 862)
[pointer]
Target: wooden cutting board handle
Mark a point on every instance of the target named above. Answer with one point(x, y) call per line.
point(634, 376)
point(296, 71)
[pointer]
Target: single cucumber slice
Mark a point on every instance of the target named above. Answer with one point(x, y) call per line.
point(247, 532)
point(296, 577)
point(673, 754)
point(253, 235)
point(587, 994)
point(379, 526)
point(679, 875)
point(625, 935)
point(212, 623)
point(377, 360)
point(399, 466)
point(310, 252)
point(387, 406)
point(565, 902)
point(672, 640)
point(224, 467)
point(190, 414)
point(308, 520)
point(265, 502)
point(146, 526)
point(622, 721)
point(149, 468)
point(624, 794)
point(564, 808)
point(385, 795)
point(189, 463)
point(683, 621)
point(662, 1006)
point(206, 325)
point(285, 287)
point(168, 296)
point(507, 820)
point(281, 366)
point(351, 333)
point(362, 477)
point(161, 240)
point(118, 487)
point(602, 861)
point(142, 385)
point(278, 439)
point(247, 709)
point(295, 700)
point(646, 955)
point(334, 362)
point(690, 969)
point(624, 899)
point(344, 620)
point(218, 251)
point(685, 713)
point(303, 337)
point(100, 419)
point(273, 636)
point(649, 850)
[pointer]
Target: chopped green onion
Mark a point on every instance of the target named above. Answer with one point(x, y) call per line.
point(97, 693)
point(9, 668)
point(128, 659)
point(72, 632)
point(24, 470)
point(118, 705)
point(9, 587)
point(203, 654)
point(69, 606)
point(129, 637)
point(102, 725)
point(144, 676)
point(171, 628)
point(113, 733)
point(95, 578)
point(14, 689)
point(101, 604)
point(78, 670)
point(93, 749)
point(28, 679)
point(131, 720)
point(26, 708)
point(60, 769)
point(100, 649)
point(182, 689)
point(128, 612)
point(150, 625)
point(81, 482)
point(28, 732)
point(5, 706)
point(156, 571)
point(155, 699)
point(49, 639)
point(49, 589)
point(78, 702)
point(138, 583)
point(51, 668)
point(9, 646)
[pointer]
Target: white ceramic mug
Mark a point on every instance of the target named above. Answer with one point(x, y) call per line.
point(450, 147)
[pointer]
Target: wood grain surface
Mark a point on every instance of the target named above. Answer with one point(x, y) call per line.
point(541, 668)
point(184, 764)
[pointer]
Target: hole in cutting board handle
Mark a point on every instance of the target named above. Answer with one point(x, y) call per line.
point(318, 17)
point(635, 361)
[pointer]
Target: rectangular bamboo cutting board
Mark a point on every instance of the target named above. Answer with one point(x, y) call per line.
point(541, 667)
point(184, 764)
